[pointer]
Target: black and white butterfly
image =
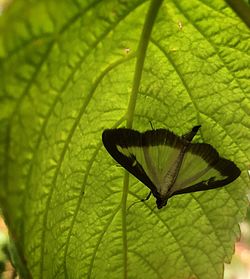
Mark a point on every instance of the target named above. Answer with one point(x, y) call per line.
point(169, 164)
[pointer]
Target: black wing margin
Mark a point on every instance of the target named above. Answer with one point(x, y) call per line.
point(123, 137)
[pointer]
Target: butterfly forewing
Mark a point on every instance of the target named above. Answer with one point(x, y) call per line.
point(203, 169)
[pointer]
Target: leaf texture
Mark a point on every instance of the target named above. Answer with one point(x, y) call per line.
point(66, 74)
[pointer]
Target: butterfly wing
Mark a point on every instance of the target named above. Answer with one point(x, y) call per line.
point(148, 156)
point(119, 143)
point(203, 169)
point(153, 157)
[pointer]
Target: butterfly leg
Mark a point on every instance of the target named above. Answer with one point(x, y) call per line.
point(142, 200)
point(147, 197)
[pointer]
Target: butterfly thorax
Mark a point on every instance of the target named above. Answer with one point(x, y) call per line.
point(166, 182)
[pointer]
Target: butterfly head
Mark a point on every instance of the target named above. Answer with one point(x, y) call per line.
point(160, 202)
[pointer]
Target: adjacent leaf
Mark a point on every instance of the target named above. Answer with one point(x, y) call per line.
point(67, 73)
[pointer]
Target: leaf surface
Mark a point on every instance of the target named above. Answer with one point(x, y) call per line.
point(66, 74)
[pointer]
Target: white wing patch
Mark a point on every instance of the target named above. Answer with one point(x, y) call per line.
point(157, 161)
point(195, 169)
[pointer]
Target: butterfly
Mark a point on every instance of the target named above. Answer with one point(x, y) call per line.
point(169, 164)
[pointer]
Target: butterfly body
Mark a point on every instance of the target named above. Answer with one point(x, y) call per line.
point(169, 164)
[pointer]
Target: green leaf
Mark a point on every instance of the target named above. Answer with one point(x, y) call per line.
point(69, 70)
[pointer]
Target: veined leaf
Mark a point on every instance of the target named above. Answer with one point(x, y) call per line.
point(67, 72)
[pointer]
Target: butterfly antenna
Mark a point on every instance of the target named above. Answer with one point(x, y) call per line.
point(150, 122)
